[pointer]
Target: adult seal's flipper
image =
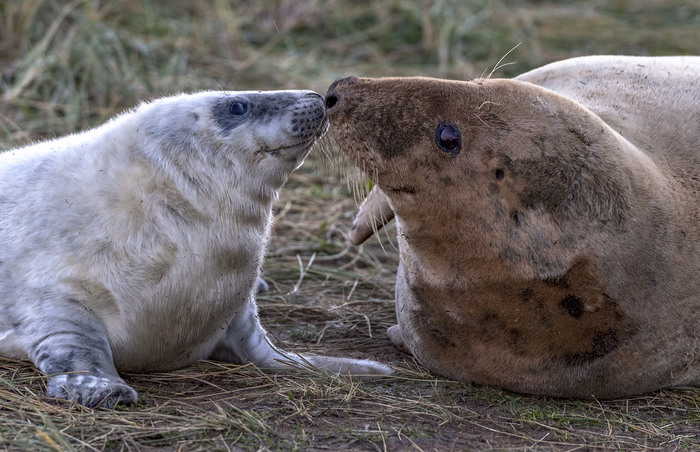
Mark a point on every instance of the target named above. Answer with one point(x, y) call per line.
point(374, 213)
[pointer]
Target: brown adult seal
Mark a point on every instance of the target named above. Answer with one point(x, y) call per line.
point(547, 225)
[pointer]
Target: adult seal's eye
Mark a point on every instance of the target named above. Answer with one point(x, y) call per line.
point(238, 108)
point(448, 138)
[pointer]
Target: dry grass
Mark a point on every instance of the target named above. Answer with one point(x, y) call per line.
point(65, 65)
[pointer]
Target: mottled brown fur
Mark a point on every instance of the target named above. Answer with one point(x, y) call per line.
point(556, 252)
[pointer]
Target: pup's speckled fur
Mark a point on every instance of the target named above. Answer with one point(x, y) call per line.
point(555, 250)
point(137, 245)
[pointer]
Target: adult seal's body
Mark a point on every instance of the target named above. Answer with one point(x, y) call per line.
point(137, 245)
point(547, 225)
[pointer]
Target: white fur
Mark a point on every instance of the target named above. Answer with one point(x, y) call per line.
point(136, 245)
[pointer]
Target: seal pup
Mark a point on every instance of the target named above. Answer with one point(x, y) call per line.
point(547, 225)
point(137, 245)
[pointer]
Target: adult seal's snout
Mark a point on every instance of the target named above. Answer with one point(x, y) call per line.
point(333, 95)
point(349, 80)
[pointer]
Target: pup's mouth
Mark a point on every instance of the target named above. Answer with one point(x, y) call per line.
point(298, 146)
point(307, 142)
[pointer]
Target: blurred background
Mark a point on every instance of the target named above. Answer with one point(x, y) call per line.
point(68, 65)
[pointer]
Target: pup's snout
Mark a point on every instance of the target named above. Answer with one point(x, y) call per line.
point(333, 96)
point(314, 95)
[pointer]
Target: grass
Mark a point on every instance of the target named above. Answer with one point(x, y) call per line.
point(67, 65)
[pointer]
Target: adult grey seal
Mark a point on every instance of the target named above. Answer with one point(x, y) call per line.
point(547, 225)
point(136, 246)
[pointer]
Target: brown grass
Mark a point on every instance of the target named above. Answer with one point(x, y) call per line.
point(66, 65)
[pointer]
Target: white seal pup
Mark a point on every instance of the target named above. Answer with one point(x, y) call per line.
point(547, 225)
point(136, 246)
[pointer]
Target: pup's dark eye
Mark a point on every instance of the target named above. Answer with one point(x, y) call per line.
point(238, 108)
point(448, 138)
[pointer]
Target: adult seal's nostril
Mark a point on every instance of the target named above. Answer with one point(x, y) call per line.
point(332, 99)
point(333, 95)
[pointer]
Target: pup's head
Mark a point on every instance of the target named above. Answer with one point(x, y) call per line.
point(260, 134)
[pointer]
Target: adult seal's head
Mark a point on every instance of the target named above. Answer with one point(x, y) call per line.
point(547, 225)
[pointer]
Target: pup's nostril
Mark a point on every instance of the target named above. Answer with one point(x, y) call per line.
point(331, 100)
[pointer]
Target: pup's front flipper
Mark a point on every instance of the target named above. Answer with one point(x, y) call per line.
point(246, 341)
point(71, 348)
